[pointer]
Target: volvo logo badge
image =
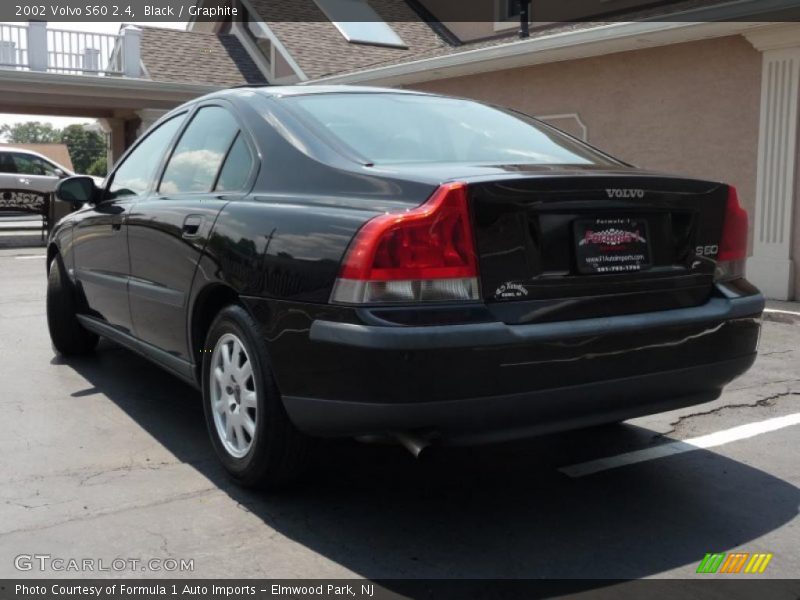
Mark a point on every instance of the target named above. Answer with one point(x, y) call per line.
point(619, 193)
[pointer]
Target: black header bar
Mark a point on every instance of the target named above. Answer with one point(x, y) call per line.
point(443, 11)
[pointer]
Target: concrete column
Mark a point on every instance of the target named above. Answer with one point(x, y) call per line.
point(148, 117)
point(9, 54)
point(132, 52)
point(771, 267)
point(115, 135)
point(91, 61)
point(37, 45)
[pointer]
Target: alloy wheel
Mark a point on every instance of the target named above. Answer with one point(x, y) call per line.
point(234, 395)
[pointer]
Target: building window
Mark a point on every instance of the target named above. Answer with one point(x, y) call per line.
point(255, 30)
point(358, 23)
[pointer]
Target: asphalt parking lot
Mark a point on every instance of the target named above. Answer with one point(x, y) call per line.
point(108, 457)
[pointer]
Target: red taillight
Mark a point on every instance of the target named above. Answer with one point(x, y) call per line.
point(424, 254)
point(733, 244)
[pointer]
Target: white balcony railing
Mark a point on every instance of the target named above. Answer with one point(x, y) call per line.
point(80, 52)
point(13, 46)
point(36, 48)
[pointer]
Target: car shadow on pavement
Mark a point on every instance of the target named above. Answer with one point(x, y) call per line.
point(501, 511)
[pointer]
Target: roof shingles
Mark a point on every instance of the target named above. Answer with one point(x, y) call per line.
point(317, 46)
point(320, 49)
point(192, 57)
point(511, 36)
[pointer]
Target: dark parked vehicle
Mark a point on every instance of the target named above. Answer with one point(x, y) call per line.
point(334, 261)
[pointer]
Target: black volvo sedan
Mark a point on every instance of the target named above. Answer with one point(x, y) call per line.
point(342, 261)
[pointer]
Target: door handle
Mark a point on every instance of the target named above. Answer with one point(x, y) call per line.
point(191, 226)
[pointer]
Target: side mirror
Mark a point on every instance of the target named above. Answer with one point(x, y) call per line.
point(77, 191)
point(60, 174)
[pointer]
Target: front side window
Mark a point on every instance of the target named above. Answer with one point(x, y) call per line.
point(7, 164)
point(387, 128)
point(27, 164)
point(197, 158)
point(134, 176)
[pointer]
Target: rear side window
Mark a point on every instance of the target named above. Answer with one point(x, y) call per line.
point(237, 167)
point(409, 128)
point(134, 175)
point(196, 161)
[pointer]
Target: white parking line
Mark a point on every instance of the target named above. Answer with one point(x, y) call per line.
point(30, 256)
point(783, 312)
point(742, 432)
point(20, 233)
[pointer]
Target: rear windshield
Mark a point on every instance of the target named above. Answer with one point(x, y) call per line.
point(406, 128)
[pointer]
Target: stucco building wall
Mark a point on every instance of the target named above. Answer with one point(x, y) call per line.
point(796, 230)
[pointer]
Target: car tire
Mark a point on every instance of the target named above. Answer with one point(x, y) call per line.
point(251, 433)
point(68, 336)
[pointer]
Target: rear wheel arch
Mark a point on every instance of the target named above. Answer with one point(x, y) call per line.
point(207, 306)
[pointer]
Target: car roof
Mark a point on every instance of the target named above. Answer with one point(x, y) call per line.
point(278, 91)
point(301, 90)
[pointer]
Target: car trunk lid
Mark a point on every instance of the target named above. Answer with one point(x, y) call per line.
point(578, 245)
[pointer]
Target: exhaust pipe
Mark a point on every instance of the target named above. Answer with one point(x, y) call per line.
point(414, 444)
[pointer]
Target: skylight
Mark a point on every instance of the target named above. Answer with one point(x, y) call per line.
point(358, 22)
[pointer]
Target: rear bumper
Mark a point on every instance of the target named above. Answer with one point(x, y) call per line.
point(527, 414)
point(486, 381)
point(498, 334)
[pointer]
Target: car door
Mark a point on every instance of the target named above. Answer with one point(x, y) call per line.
point(8, 179)
point(25, 184)
point(167, 232)
point(102, 262)
point(35, 174)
